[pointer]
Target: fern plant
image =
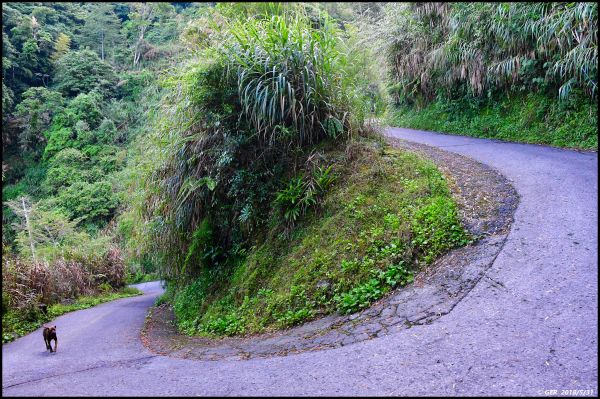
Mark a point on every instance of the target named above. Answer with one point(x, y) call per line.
point(303, 193)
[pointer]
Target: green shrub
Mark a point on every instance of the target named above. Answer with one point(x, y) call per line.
point(201, 249)
point(289, 199)
point(303, 193)
point(293, 317)
point(230, 324)
point(188, 301)
point(87, 202)
point(381, 282)
point(473, 49)
point(360, 297)
point(65, 168)
point(436, 228)
point(35, 112)
point(12, 191)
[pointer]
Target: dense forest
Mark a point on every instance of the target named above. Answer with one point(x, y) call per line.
point(232, 149)
point(79, 83)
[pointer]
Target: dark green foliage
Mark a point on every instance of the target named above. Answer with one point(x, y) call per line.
point(7, 102)
point(67, 119)
point(361, 245)
point(236, 167)
point(293, 199)
point(76, 126)
point(230, 324)
point(482, 49)
point(457, 67)
point(151, 30)
point(65, 168)
point(30, 184)
point(106, 132)
point(436, 230)
point(102, 31)
point(85, 107)
point(58, 138)
point(82, 71)
point(188, 300)
point(134, 83)
point(303, 193)
point(201, 250)
point(35, 112)
point(88, 202)
point(244, 211)
point(284, 83)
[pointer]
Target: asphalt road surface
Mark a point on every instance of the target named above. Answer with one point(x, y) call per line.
point(529, 327)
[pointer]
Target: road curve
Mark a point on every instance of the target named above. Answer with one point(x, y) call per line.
point(529, 327)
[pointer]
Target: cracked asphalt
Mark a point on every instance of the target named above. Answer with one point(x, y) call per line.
point(529, 326)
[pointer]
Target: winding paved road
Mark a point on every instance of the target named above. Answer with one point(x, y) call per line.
point(528, 327)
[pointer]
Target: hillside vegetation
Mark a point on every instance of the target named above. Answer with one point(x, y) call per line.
point(74, 77)
point(249, 152)
point(513, 71)
point(386, 214)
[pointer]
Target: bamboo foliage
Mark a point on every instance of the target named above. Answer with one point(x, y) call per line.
point(287, 74)
point(569, 32)
point(474, 48)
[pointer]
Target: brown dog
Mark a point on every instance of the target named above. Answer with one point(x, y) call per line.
point(49, 335)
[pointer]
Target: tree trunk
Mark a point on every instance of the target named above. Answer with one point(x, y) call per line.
point(26, 213)
point(138, 51)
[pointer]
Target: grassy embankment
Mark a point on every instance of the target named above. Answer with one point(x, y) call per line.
point(531, 118)
point(388, 214)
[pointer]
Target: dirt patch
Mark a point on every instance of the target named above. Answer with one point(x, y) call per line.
point(487, 202)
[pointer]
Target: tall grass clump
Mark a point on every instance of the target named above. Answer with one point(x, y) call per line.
point(289, 80)
point(29, 283)
point(243, 117)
